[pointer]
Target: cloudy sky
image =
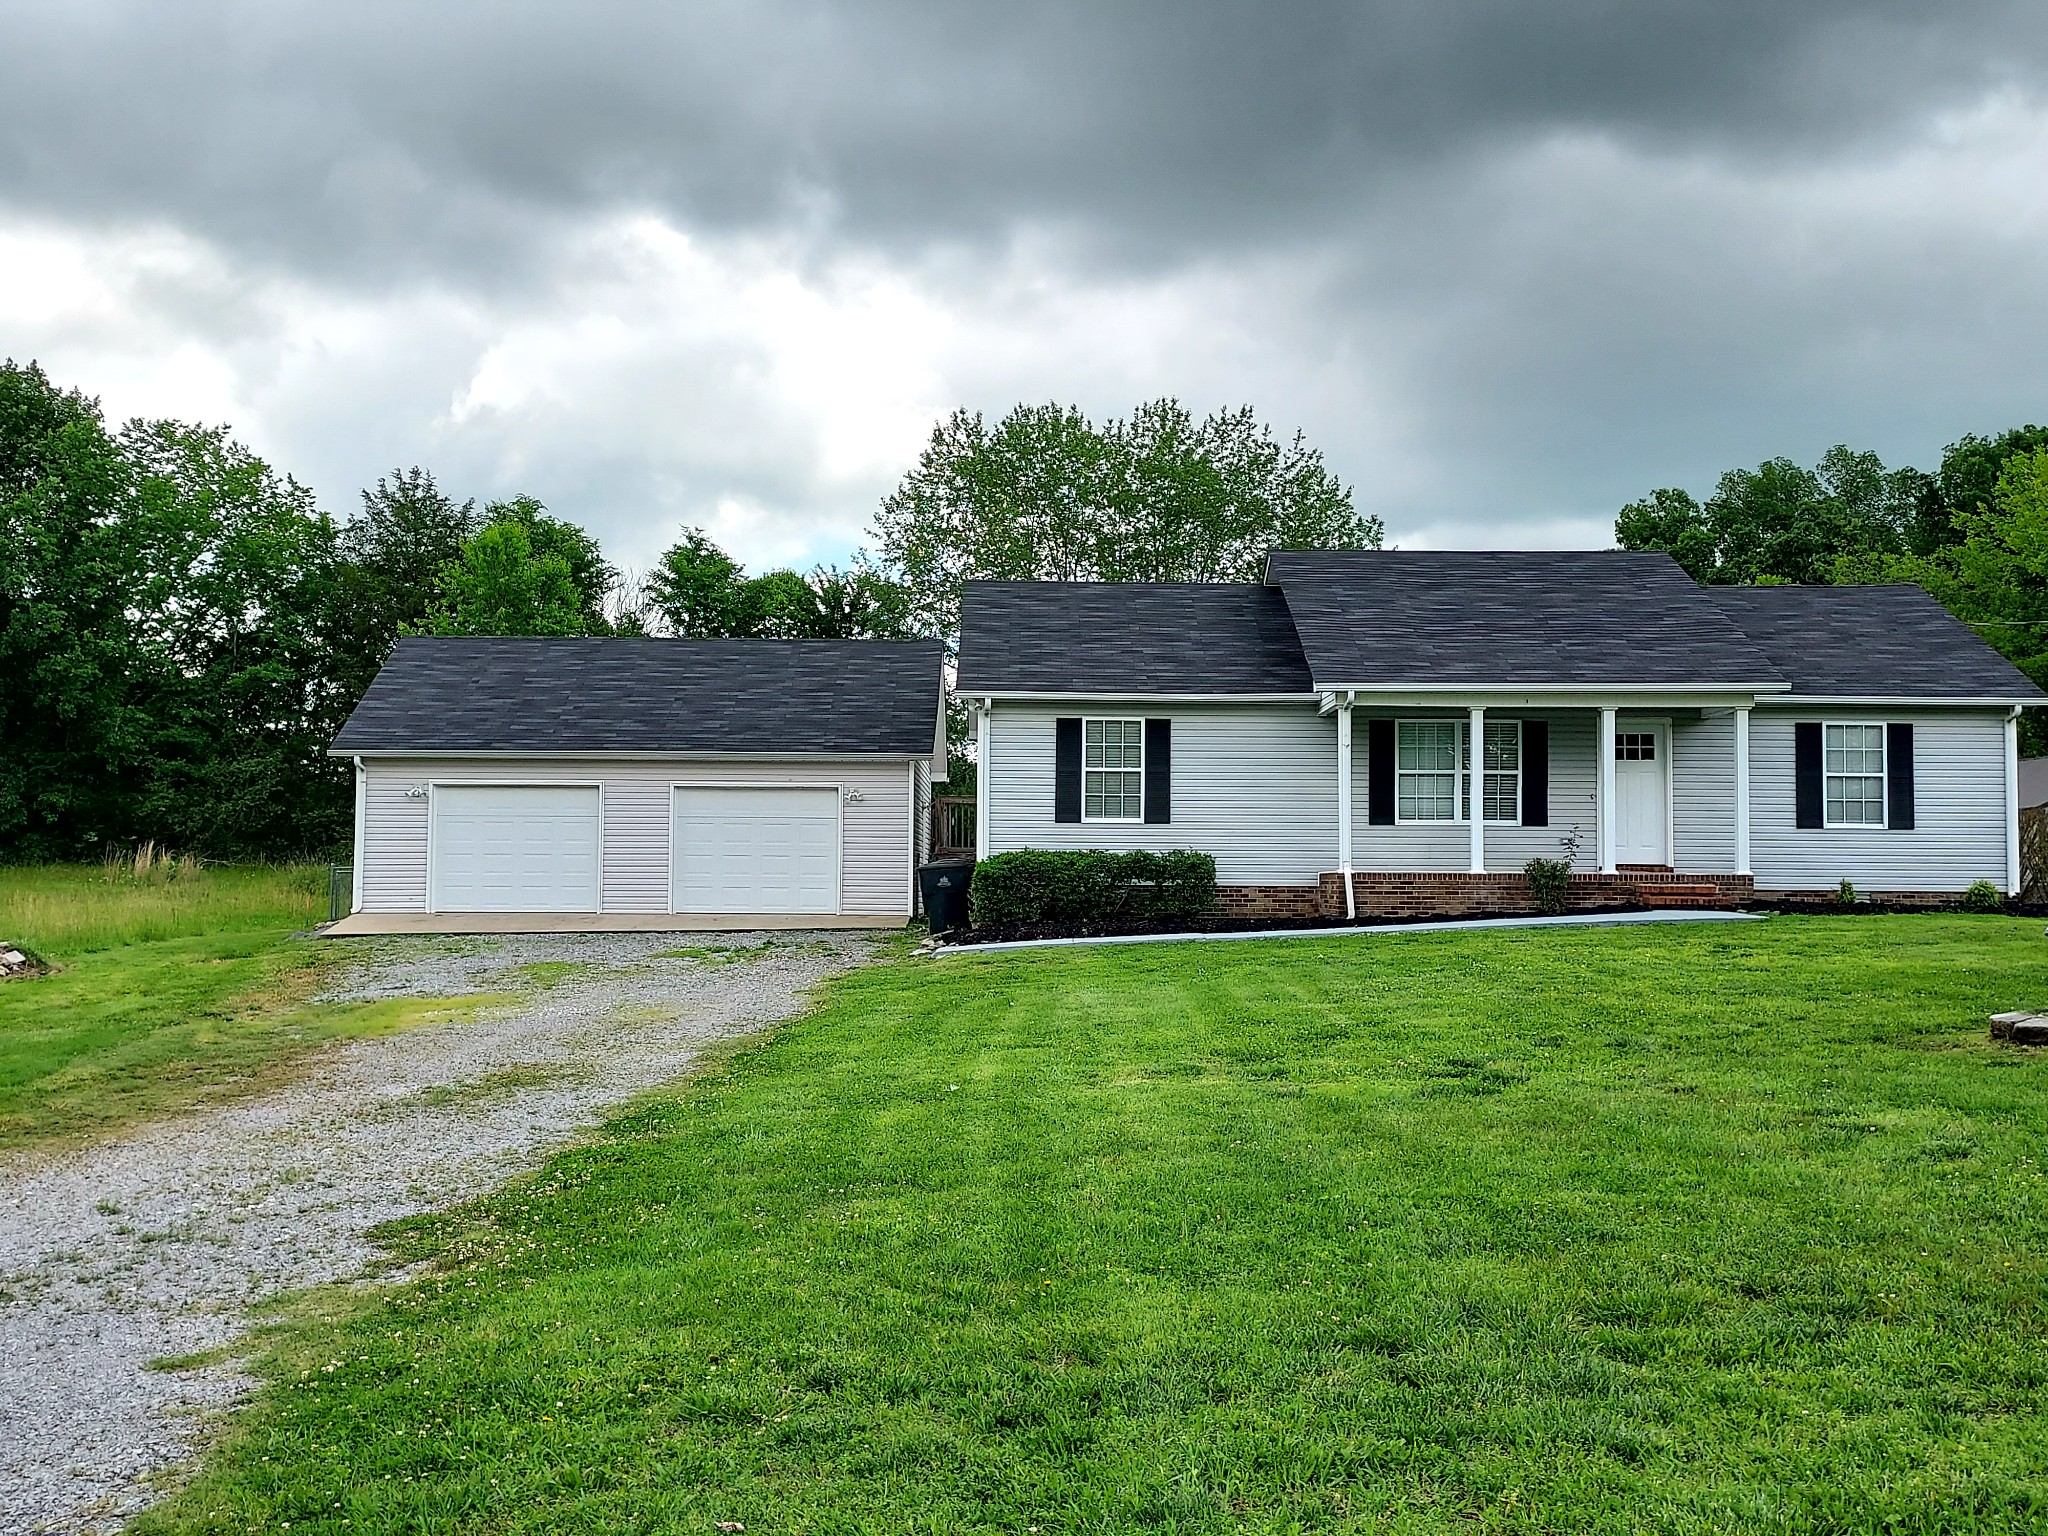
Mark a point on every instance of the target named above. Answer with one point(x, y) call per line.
point(1508, 264)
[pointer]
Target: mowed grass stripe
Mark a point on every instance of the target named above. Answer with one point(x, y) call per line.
point(1624, 1230)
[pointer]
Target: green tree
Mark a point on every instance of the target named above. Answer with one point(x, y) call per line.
point(165, 665)
point(700, 591)
point(391, 557)
point(74, 743)
point(697, 589)
point(1993, 575)
point(1780, 521)
point(1047, 495)
point(523, 573)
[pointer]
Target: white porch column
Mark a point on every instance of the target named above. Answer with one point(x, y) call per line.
point(2012, 803)
point(1344, 804)
point(984, 761)
point(355, 900)
point(1742, 792)
point(1606, 818)
point(1477, 787)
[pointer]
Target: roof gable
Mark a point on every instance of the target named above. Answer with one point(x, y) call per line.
point(1099, 637)
point(1465, 619)
point(623, 694)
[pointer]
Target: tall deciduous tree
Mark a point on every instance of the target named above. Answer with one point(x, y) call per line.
point(700, 591)
point(524, 573)
point(391, 557)
point(165, 666)
point(1779, 521)
point(1047, 495)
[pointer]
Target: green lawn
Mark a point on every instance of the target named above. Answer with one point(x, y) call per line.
point(1681, 1229)
point(166, 992)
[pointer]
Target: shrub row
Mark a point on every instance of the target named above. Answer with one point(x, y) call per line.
point(1035, 885)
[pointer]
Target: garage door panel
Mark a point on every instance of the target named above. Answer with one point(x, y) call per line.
point(756, 850)
point(516, 848)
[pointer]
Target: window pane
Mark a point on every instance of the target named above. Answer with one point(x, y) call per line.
point(1504, 746)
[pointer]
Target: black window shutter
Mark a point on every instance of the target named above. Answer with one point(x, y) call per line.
point(1535, 773)
point(1898, 766)
point(1808, 792)
point(1379, 773)
point(1158, 772)
point(1066, 768)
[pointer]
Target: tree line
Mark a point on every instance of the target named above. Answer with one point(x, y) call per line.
point(183, 629)
point(1973, 532)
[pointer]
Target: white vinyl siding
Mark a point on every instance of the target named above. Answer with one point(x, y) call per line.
point(1253, 784)
point(1703, 792)
point(1959, 820)
point(637, 792)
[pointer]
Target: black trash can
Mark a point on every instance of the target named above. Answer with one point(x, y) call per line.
point(943, 888)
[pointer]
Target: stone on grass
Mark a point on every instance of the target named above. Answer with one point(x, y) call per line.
point(2032, 1031)
point(2002, 1023)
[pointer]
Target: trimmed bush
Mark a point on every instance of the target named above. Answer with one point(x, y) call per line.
point(1549, 881)
point(1983, 897)
point(1037, 885)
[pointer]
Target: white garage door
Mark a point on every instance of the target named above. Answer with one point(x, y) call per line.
point(756, 850)
point(515, 848)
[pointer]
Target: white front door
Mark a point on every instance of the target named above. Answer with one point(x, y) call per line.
point(756, 850)
point(1642, 784)
point(514, 848)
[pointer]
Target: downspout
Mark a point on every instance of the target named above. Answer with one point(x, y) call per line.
point(362, 815)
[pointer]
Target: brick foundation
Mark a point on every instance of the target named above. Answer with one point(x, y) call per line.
point(1469, 895)
point(1832, 897)
point(1269, 900)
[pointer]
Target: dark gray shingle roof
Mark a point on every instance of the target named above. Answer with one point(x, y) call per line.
point(1483, 618)
point(440, 694)
point(1871, 642)
point(1127, 637)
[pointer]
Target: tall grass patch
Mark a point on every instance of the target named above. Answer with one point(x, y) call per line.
point(68, 909)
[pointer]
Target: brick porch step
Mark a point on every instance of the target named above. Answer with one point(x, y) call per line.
point(1680, 893)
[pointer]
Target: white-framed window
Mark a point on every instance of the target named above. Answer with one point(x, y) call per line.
point(1501, 772)
point(1112, 770)
point(1433, 771)
point(1853, 765)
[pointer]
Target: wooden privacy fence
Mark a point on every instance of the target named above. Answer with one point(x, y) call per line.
point(952, 826)
point(2034, 853)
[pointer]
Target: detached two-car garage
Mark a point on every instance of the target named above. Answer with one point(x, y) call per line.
point(621, 780)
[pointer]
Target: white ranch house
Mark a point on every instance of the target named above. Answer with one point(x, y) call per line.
point(1326, 734)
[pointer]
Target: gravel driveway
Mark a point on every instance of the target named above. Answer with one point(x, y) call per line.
point(150, 1247)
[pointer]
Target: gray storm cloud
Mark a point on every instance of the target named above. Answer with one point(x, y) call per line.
point(1508, 264)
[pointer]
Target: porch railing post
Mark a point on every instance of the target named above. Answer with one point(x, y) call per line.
point(1476, 787)
point(1344, 804)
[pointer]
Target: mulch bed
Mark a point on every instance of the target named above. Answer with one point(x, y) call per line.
point(1131, 927)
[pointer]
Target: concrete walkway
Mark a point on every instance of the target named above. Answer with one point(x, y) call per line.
point(376, 924)
point(1568, 920)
